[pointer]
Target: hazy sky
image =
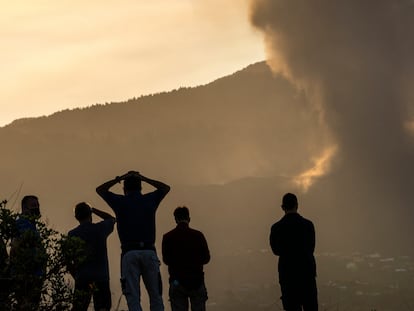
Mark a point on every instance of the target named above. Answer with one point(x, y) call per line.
point(65, 54)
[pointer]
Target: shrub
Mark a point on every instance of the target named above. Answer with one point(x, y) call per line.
point(35, 276)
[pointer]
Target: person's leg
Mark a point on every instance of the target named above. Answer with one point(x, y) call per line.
point(82, 296)
point(102, 300)
point(290, 297)
point(178, 297)
point(152, 279)
point(198, 298)
point(310, 295)
point(130, 279)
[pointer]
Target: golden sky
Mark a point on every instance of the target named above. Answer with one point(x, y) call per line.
point(65, 54)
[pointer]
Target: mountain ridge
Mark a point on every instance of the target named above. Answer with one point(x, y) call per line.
point(240, 133)
point(23, 120)
point(223, 116)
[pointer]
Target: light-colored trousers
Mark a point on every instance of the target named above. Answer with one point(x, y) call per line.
point(145, 263)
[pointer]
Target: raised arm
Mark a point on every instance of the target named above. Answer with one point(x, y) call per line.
point(164, 188)
point(102, 214)
point(104, 188)
point(160, 186)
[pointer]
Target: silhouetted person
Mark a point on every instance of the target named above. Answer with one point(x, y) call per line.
point(292, 238)
point(92, 275)
point(135, 214)
point(185, 251)
point(28, 258)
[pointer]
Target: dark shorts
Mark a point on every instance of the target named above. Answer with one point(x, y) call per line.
point(299, 295)
point(84, 291)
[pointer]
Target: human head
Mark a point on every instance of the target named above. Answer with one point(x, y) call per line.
point(30, 206)
point(132, 183)
point(289, 202)
point(182, 214)
point(83, 212)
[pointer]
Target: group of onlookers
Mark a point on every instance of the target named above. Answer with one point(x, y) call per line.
point(184, 251)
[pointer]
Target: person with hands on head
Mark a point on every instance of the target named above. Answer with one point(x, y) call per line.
point(92, 275)
point(135, 213)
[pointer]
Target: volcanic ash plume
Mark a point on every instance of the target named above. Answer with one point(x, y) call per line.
point(354, 59)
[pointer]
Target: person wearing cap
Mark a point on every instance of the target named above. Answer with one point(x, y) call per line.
point(185, 252)
point(135, 213)
point(92, 275)
point(292, 238)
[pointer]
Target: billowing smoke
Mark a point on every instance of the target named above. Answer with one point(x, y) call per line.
point(354, 59)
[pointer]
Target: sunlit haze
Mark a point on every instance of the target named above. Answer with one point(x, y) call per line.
point(246, 102)
point(64, 54)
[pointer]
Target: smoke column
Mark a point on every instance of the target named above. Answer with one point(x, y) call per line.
point(354, 60)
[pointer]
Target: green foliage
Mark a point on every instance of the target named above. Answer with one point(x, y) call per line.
point(35, 265)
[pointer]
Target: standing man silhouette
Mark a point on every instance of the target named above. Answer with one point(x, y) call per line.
point(135, 214)
point(92, 276)
point(185, 251)
point(292, 238)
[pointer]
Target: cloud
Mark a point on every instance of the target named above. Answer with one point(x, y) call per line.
point(352, 58)
point(321, 167)
point(354, 61)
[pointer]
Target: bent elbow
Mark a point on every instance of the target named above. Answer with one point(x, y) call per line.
point(100, 191)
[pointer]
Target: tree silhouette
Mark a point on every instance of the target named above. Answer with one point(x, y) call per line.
point(55, 254)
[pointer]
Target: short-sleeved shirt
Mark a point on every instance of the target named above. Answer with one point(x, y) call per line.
point(96, 267)
point(135, 214)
